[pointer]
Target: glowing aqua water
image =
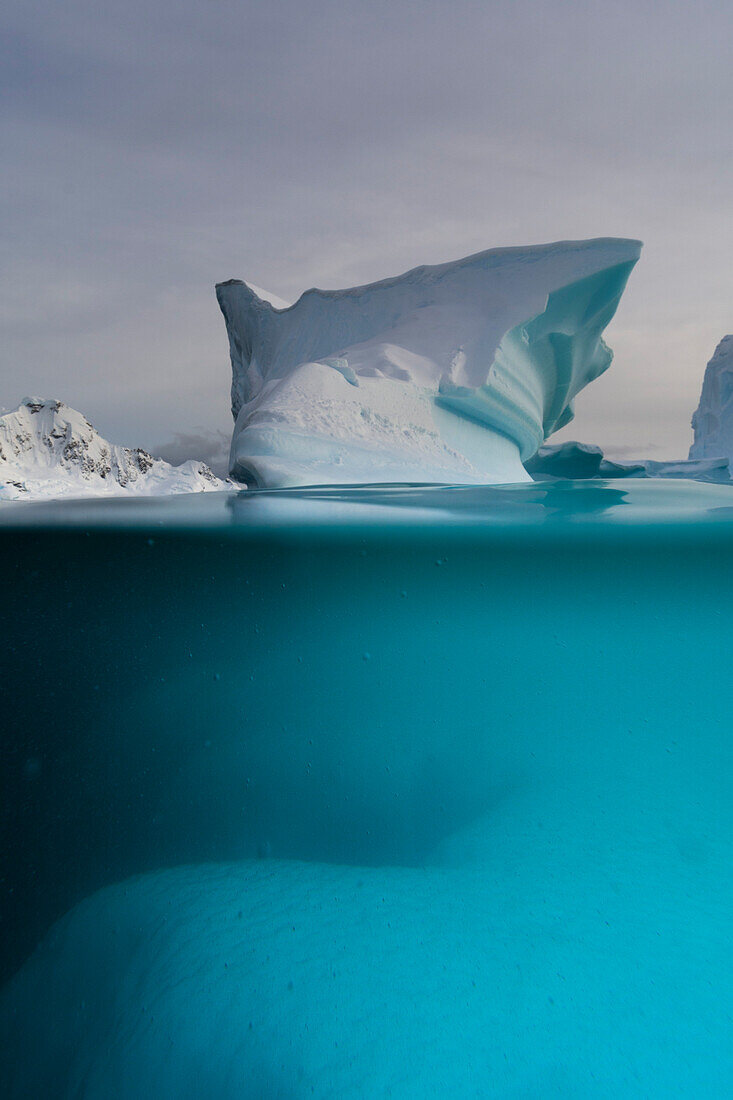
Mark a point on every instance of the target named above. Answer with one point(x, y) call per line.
point(425, 792)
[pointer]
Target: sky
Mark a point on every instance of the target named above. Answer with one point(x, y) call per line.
point(153, 148)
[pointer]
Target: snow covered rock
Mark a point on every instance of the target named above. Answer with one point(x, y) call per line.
point(49, 450)
point(451, 373)
point(712, 421)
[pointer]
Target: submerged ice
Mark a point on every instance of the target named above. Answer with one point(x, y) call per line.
point(434, 802)
point(453, 373)
point(543, 977)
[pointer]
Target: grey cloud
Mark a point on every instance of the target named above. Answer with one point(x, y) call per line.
point(211, 447)
point(153, 149)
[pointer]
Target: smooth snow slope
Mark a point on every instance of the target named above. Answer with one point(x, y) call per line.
point(48, 450)
point(712, 421)
point(452, 373)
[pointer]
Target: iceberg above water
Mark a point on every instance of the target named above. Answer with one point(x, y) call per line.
point(712, 421)
point(578, 461)
point(455, 373)
point(581, 461)
point(711, 453)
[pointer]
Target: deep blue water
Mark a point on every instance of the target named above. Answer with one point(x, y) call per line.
point(408, 791)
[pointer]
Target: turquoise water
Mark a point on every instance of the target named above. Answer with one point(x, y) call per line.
point(406, 791)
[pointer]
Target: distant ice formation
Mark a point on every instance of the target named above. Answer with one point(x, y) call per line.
point(452, 373)
point(712, 421)
point(716, 470)
point(579, 461)
point(48, 450)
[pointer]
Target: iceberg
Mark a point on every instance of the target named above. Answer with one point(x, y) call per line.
point(581, 461)
point(453, 373)
point(577, 461)
point(712, 421)
point(48, 450)
point(715, 470)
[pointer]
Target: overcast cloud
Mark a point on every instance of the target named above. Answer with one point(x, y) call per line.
point(152, 149)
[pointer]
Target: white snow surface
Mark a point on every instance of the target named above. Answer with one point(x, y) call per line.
point(712, 421)
point(453, 373)
point(48, 450)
